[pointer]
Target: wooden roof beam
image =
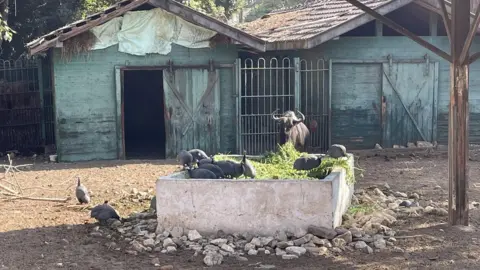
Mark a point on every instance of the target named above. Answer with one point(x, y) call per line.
point(446, 19)
point(401, 30)
point(471, 35)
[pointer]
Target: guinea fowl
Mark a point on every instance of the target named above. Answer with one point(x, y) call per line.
point(198, 154)
point(104, 212)
point(213, 168)
point(200, 173)
point(185, 158)
point(82, 193)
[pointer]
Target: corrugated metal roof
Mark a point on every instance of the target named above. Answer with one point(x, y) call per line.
point(306, 21)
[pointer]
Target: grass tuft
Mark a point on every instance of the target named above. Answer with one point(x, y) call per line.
point(279, 165)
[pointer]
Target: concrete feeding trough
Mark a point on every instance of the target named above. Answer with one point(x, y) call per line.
point(257, 206)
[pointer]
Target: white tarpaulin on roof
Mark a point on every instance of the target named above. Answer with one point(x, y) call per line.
point(150, 31)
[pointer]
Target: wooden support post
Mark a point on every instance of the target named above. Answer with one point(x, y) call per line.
point(458, 116)
point(446, 20)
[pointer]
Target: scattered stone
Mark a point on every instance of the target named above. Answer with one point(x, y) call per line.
point(241, 259)
point(264, 241)
point(227, 248)
point(414, 196)
point(171, 249)
point(149, 242)
point(411, 145)
point(279, 252)
point(356, 233)
point(299, 251)
point(315, 251)
point(322, 232)
point(265, 266)
point(219, 242)
point(305, 239)
point(437, 187)
point(267, 252)
point(393, 206)
point(339, 242)
point(379, 242)
point(400, 194)
point(212, 259)
point(289, 257)
point(168, 242)
point(285, 244)
point(424, 144)
point(441, 212)
point(156, 261)
point(378, 146)
point(336, 250)
point(131, 252)
point(193, 235)
point(137, 246)
point(337, 151)
point(398, 250)
point(368, 250)
point(347, 236)
point(281, 236)
point(252, 252)
point(249, 246)
point(167, 267)
point(256, 241)
point(177, 232)
point(360, 245)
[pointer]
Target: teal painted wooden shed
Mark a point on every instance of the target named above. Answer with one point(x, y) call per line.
point(133, 96)
point(357, 82)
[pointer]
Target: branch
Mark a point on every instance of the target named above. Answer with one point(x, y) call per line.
point(14, 197)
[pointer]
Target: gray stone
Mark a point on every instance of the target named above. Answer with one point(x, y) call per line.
point(156, 261)
point(252, 252)
point(265, 241)
point(168, 242)
point(360, 245)
point(424, 144)
point(299, 232)
point(281, 236)
point(322, 232)
point(137, 246)
point(289, 257)
point(171, 249)
point(305, 239)
point(221, 234)
point(218, 242)
point(224, 253)
point(149, 242)
point(177, 232)
point(212, 259)
point(398, 250)
point(347, 236)
point(356, 233)
point(319, 241)
point(193, 235)
point(309, 244)
point(337, 151)
point(315, 251)
point(241, 259)
point(400, 194)
point(379, 193)
point(284, 244)
point(167, 267)
point(415, 196)
point(340, 230)
point(379, 242)
point(267, 252)
point(280, 252)
point(249, 246)
point(299, 251)
point(392, 206)
point(227, 248)
point(368, 250)
point(336, 250)
point(339, 242)
point(256, 242)
point(247, 236)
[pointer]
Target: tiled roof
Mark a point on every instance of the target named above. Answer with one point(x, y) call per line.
point(306, 21)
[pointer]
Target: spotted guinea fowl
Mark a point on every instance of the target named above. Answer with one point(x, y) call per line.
point(104, 212)
point(197, 154)
point(82, 193)
point(185, 158)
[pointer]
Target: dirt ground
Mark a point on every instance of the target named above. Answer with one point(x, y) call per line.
point(43, 235)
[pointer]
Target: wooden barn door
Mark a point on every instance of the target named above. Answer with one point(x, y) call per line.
point(192, 110)
point(410, 95)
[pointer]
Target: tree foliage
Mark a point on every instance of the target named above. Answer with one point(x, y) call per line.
point(265, 6)
point(220, 9)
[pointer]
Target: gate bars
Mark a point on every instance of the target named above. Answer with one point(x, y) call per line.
point(266, 84)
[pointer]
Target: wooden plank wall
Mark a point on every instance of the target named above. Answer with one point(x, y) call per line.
point(85, 98)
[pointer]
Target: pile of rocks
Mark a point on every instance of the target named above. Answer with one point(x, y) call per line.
point(362, 231)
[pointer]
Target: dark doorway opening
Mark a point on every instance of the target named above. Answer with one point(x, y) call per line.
point(143, 114)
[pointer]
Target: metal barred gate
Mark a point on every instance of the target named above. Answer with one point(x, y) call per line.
point(268, 84)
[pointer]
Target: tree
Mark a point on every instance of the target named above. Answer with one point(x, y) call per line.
point(220, 9)
point(266, 6)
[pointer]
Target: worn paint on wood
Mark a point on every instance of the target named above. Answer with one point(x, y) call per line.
point(86, 103)
point(192, 101)
point(356, 105)
point(413, 89)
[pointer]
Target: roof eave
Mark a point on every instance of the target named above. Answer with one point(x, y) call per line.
point(173, 7)
point(336, 31)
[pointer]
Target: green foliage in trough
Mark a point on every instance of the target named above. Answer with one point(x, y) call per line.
point(279, 165)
